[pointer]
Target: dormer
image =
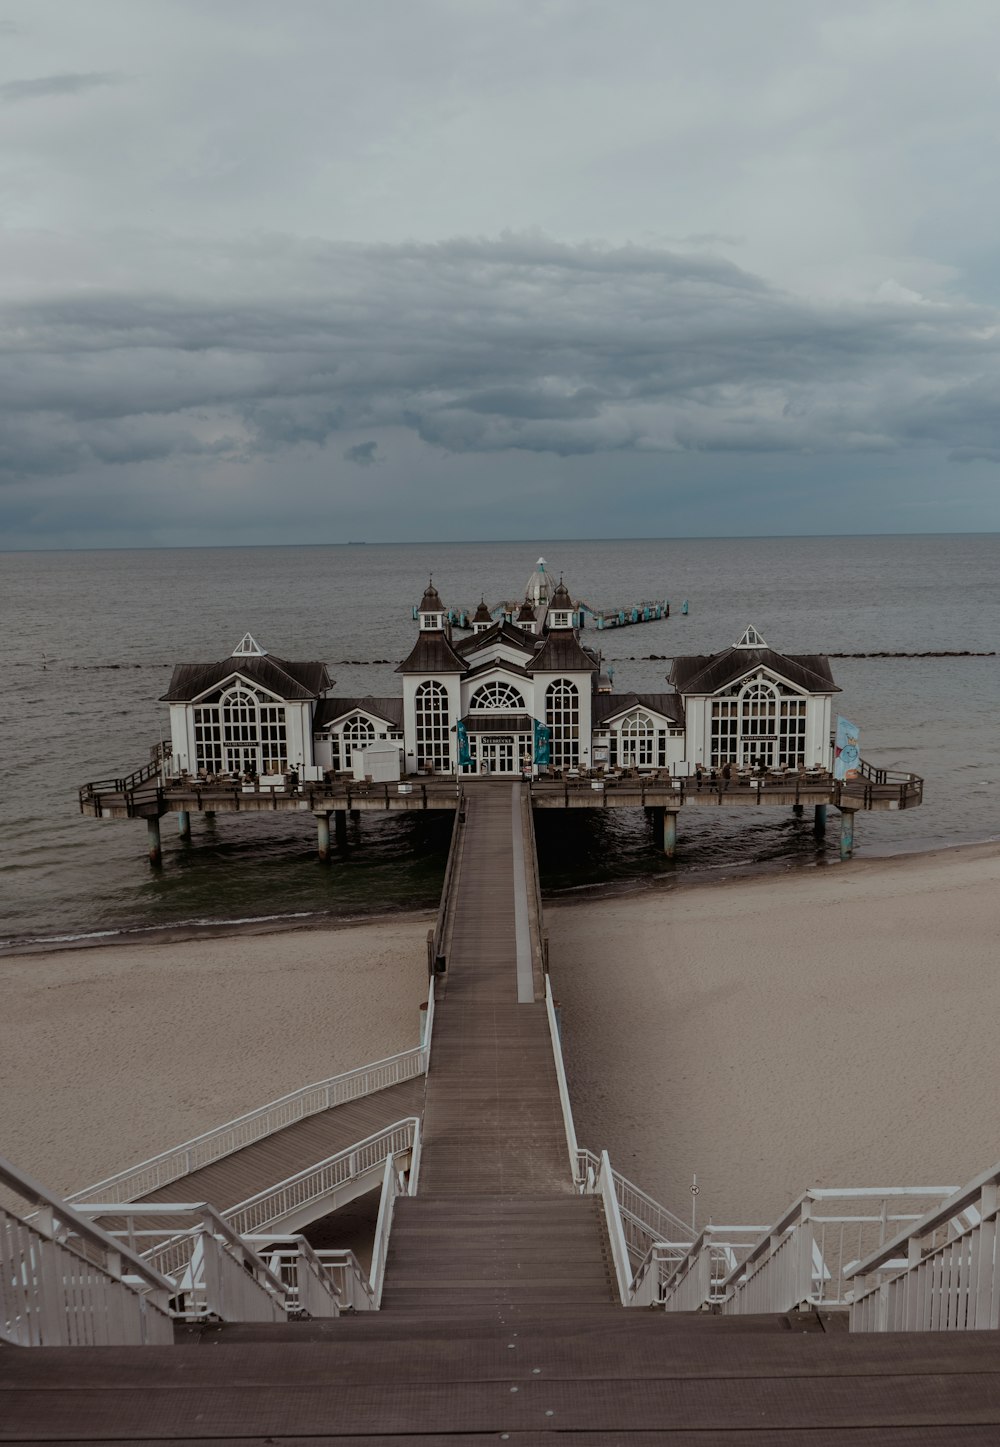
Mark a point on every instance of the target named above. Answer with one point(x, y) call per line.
point(482, 619)
point(526, 618)
point(431, 611)
point(751, 639)
point(560, 608)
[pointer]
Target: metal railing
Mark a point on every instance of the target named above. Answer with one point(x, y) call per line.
point(65, 1282)
point(224, 1140)
point(806, 1258)
point(318, 1283)
point(439, 938)
point(564, 1100)
point(644, 1220)
point(604, 1186)
point(690, 1276)
point(942, 1273)
point(298, 1195)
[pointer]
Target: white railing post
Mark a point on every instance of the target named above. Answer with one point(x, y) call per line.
point(382, 1229)
point(564, 1100)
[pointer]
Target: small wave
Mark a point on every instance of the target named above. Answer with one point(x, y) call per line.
point(103, 934)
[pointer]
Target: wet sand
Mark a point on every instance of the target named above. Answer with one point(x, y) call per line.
point(829, 1027)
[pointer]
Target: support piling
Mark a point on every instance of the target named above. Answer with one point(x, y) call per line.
point(153, 839)
point(846, 833)
point(183, 824)
point(820, 819)
point(323, 835)
point(670, 832)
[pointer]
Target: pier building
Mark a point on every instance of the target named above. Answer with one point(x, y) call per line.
point(523, 695)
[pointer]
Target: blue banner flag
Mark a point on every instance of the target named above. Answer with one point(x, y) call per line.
point(543, 744)
point(464, 753)
point(846, 754)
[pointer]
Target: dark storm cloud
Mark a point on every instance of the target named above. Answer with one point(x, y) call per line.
point(363, 454)
point(56, 85)
point(482, 347)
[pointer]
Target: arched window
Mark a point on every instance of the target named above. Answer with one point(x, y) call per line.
point(240, 732)
point(562, 714)
point(356, 733)
point(496, 698)
point(638, 745)
point(433, 721)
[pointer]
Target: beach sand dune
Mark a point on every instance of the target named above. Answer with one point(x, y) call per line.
point(111, 1054)
point(832, 1027)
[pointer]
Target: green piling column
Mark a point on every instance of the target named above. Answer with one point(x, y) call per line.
point(820, 819)
point(153, 839)
point(670, 832)
point(183, 824)
point(846, 833)
point(323, 835)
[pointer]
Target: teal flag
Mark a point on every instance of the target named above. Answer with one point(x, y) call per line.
point(846, 754)
point(464, 754)
point(543, 743)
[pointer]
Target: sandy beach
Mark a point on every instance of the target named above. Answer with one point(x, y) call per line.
point(825, 1027)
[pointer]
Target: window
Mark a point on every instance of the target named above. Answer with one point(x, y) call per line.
point(562, 714)
point(792, 732)
point(356, 733)
point(433, 738)
point(638, 741)
point(496, 698)
point(239, 731)
point(725, 731)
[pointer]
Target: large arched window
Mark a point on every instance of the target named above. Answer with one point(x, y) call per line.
point(496, 698)
point(638, 746)
point(433, 721)
point(356, 734)
point(562, 714)
point(240, 731)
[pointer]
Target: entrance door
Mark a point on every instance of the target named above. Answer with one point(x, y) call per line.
point(758, 751)
point(496, 756)
point(240, 758)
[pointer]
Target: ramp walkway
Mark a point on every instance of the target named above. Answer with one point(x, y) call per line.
point(496, 1227)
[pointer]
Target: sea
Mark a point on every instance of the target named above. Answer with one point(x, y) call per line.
point(88, 641)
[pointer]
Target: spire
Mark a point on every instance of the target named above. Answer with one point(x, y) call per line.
point(482, 613)
point(431, 601)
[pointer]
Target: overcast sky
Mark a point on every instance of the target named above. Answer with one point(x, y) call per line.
point(388, 269)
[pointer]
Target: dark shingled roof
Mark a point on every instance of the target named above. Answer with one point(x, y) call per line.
point(431, 601)
point(482, 613)
point(502, 632)
point(562, 652)
point(432, 653)
point(527, 613)
point(277, 675)
point(492, 663)
point(608, 705)
point(699, 674)
point(329, 710)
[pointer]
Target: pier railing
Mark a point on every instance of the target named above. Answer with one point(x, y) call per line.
point(224, 1140)
point(941, 1273)
point(806, 1258)
point(66, 1282)
point(690, 1276)
point(644, 1221)
point(439, 938)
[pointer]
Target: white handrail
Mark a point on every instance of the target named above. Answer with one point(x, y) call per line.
point(564, 1100)
point(616, 1233)
point(224, 1140)
point(644, 1219)
point(65, 1282)
point(383, 1228)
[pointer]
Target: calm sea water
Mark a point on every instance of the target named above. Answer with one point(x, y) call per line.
point(89, 640)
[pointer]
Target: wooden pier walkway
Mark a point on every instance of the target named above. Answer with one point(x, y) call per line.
point(496, 1228)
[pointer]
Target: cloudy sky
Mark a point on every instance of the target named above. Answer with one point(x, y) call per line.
point(392, 269)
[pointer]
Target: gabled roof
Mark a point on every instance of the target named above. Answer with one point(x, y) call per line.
point(502, 632)
point(562, 652)
point(503, 664)
point(432, 653)
point(700, 674)
point(607, 706)
point(329, 710)
point(277, 675)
